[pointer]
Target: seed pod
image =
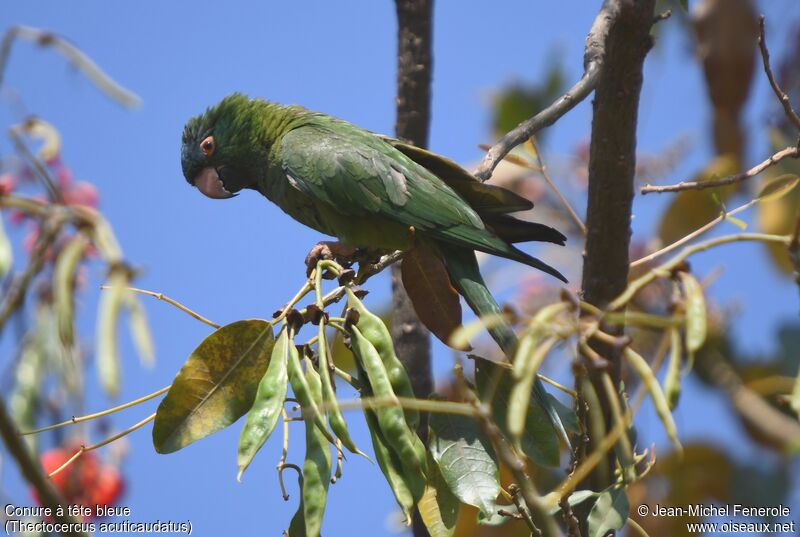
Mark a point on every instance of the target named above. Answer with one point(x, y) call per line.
point(404, 441)
point(266, 410)
point(695, 312)
point(672, 381)
point(107, 352)
point(376, 333)
point(533, 334)
point(317, 464)
point(335, 417)
point(406, 492)
point(518, 401)
point(302, 391)
point(642, 369)
point(64, 284)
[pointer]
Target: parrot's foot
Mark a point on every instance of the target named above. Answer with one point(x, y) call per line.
point(332, 250)
point(341, 253)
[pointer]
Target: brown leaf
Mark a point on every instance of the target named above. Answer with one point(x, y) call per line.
point(692, 209)
point(436, 302)
point(726, 44)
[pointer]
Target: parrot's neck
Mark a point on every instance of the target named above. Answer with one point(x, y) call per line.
point(275, 119)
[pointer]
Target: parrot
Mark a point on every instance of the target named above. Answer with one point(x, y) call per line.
point(369, 191)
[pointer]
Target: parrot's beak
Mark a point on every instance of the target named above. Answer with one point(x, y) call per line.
point(209, 183)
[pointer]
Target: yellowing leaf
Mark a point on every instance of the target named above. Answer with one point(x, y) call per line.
point(428, 286)
point(777, 188)
point(215, 386)
point(741, 224)
point(691, 209)
point(438, 507)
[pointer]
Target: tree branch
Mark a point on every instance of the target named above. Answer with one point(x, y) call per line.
point(414, 70)
point(593, 59)
point(791, 151)
point(626, 25)
point(779, 93)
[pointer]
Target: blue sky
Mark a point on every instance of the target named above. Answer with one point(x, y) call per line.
point(243, 258)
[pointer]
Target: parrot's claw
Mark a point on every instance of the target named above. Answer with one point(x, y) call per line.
point(331, 250)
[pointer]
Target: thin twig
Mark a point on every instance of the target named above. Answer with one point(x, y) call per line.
point(410, 403)
point(779, 93)
point(667, 267)
point(514, 489)
point(87, 417)
point(545, 118)
point(168, 300)
point(791, 151)
point(694, 234)
point(16, 293)
point(549, 180)
point(593, 62)
point(105, 442)
point(74, 55)
point(41, 170)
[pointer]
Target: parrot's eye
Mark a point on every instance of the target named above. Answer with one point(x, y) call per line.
point(208, 146)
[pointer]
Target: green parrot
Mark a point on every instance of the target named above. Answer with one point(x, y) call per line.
point(367, 190)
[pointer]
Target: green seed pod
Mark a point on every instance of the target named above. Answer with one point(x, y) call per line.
point(672, 381)
point(317, 464)
point(302, 392)
point(403, 440)
point(268, 404)
point(695, 312)
point(64, 284)
point(374, 331)
point(406, 493)
point(642, 369)
point(335, 417)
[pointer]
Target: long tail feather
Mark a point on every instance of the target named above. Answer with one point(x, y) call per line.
point(466, 278)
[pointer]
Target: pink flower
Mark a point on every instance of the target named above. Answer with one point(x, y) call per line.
point(8, 183)
point(81, 193)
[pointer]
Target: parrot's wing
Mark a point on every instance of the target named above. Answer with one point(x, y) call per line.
point(359, 174)
point(486, 199)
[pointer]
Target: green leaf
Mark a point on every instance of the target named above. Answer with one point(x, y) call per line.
point(684, 5)
point(609, 512)
point(466, 460)
point(568, 416)
point(215, 386)
point(266, 410)
point(577, 497)
point(438, 506)
point(538, 441)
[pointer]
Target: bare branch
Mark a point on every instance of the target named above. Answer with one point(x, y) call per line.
point(791, 151)
point(33, 473)
point(594, 55)
point(73, 54)
point(779, 93)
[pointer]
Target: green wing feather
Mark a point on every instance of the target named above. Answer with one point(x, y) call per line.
point(360, 174)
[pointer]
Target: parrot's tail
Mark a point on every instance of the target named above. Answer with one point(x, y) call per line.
point(466, 278)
